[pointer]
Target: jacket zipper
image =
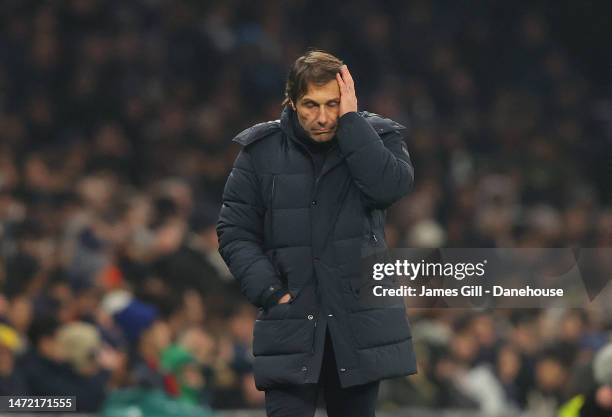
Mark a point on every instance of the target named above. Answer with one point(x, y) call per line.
point(314, 335)
point(271, 208)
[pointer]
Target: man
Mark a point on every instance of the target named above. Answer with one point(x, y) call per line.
point(596, 401)
point(305, 200)
point(47, 372)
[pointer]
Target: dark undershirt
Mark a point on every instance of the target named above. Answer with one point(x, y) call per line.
point(318, 150)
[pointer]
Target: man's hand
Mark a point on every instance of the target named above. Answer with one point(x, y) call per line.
point(348, 99)
point(285, 299)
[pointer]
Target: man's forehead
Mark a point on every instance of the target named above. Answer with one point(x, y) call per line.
point(322, 92)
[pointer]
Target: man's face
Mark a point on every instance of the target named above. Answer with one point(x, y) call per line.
point(317, 110)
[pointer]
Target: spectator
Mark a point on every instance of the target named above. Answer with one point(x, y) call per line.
point(47, 373)
point(596, 402)
point(147, 336)
point(12, 381)
point(183, 366)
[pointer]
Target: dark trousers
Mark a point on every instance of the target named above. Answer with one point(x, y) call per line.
point(301, 400)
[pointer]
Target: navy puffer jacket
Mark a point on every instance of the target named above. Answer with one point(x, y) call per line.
point(281, 228)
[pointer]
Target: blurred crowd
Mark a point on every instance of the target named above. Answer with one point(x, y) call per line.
point(116, 121)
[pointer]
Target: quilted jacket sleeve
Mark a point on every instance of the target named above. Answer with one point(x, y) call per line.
point(240, 233)
point(380, 168)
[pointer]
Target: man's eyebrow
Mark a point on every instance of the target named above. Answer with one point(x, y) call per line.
point(309, 100)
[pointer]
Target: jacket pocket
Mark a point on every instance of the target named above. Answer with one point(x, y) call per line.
point(277, 311)
point(379, 327)
point(373, 238)
point(273, 256)
point(371, 295)
point(282, 337)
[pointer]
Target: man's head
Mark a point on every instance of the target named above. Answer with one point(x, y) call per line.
point(602, 369)
point(313, 92)
point(42, 335)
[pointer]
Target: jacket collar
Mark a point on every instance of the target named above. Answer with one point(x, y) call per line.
point(334, 157)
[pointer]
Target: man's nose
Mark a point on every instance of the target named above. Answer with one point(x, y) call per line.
point(323, 116)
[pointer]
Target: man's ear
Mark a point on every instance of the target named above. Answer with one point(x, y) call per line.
point(292, 105)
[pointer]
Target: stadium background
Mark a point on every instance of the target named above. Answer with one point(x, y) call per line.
point(116, 121)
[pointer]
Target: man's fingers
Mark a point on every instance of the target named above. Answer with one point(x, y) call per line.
point(341, 83)
point(347, 77)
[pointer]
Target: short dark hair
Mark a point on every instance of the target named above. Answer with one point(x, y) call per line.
point(40, 328)
point(315, 66)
